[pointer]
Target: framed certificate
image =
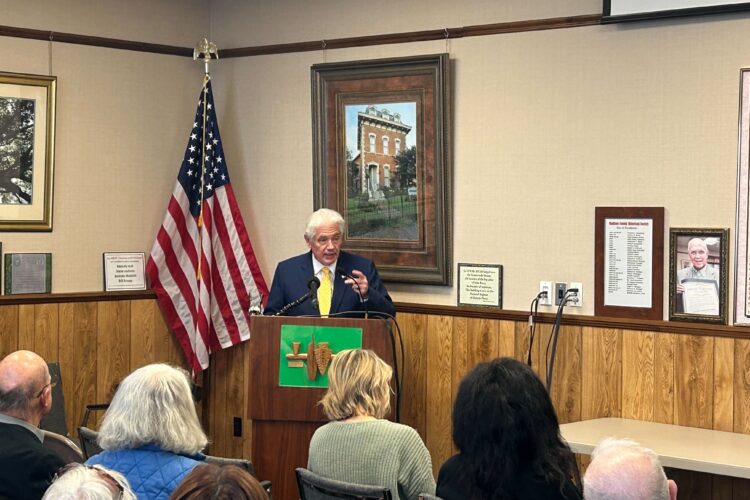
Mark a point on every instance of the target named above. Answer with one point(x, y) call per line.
point(28, 273)
point(629, 262)
point(480, 285)
point(124, 271)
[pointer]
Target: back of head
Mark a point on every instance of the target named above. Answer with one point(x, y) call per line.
point(358, 384)
point(153, 405)
point(211, 482)
point(323, 216)
point(84, 482)
point(504, 424)
point(621, 469)
point(23, 377)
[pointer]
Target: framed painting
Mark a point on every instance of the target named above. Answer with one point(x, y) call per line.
point(698, 274)
point(382, 158)
point(27, 139)
point(742, 236)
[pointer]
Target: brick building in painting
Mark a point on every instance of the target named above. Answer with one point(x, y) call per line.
point(381, 136)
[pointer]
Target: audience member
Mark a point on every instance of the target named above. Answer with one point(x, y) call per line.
point(506, 430)
point(151, 432)
point(88, 482)
point(211, 482)
point(26, 466)
point(621, 469)
point(358, 445)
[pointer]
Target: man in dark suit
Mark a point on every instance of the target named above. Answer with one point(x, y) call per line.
point(26, 466)
point(348, 283)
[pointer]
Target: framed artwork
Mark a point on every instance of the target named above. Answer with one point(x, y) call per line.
point(698, 274)
point(27, 139)
point(382, 158)
point(629, 262)
point(742, 244)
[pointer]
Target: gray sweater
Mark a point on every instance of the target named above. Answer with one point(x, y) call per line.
point(373, 452)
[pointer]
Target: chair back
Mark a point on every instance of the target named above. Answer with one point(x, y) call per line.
point(62, 447)
point(88, 442)
point(55, 420)
point(239, 462)
point(315, 487)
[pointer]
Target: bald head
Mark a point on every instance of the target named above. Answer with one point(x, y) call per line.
point(23, 374)
point(621, 469)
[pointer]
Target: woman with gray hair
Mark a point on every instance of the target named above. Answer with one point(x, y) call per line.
point(151, 432)
point(88, 482)
point(359, 445)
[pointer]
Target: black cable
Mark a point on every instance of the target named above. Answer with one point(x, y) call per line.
point(550, 355)
point(396, 377)
point(533, 308)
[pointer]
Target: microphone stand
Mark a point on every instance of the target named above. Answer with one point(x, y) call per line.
point(295, 303)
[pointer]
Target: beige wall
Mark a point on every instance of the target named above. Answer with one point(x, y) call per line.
point(547, 125)
point(122, 124)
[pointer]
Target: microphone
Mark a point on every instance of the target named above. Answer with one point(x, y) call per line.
point(313, 284)
point(340, 271)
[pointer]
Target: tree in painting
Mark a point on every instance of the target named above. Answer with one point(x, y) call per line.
point(16, 150)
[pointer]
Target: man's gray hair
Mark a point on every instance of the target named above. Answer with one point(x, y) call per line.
point(621, 469)
point(83, 482)
point(323, 216)
point(153, 405)
point(15, 400)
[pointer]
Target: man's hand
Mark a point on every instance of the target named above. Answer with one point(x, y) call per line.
point(359, 279)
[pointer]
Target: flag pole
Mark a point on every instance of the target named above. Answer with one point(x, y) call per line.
point(208, 50)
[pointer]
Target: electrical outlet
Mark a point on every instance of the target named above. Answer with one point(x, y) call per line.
point(545, 286)
point(576, 298)
point(560, 292)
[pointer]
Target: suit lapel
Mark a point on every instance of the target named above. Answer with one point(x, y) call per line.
point(339, 287)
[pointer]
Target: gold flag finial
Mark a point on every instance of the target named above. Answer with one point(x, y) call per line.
point(208, 50)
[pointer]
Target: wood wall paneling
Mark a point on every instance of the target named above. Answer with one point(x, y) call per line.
point(689, 379)
point(8, 329)
point(439, 389)
point(78, 358)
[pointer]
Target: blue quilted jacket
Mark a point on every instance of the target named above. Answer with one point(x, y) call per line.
point(152, 473)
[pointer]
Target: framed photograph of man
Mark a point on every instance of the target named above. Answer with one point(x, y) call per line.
point(698, 274)
point(27, 139)
point(381, 158)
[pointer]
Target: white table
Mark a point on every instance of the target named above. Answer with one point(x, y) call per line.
point(688, 448)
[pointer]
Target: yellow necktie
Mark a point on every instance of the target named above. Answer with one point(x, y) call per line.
point(325, 291)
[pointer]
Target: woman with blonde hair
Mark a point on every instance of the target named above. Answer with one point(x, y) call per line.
point(151, 433)
point(358, 445)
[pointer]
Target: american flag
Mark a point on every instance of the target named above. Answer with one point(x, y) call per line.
point(202, 266)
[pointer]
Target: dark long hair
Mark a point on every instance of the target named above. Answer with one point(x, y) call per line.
point(504, 424)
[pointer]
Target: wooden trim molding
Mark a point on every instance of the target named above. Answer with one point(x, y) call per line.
point(417, 36)
point(685, 328)
point(59, 298)
point(336, 43)
point(95, 41)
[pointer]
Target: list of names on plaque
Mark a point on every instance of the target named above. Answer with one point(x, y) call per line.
point(627, 262)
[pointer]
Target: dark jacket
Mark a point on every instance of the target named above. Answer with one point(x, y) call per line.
point(26, 466)
point(292, 275)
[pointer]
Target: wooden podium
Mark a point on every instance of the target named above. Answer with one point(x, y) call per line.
point(285, 418)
